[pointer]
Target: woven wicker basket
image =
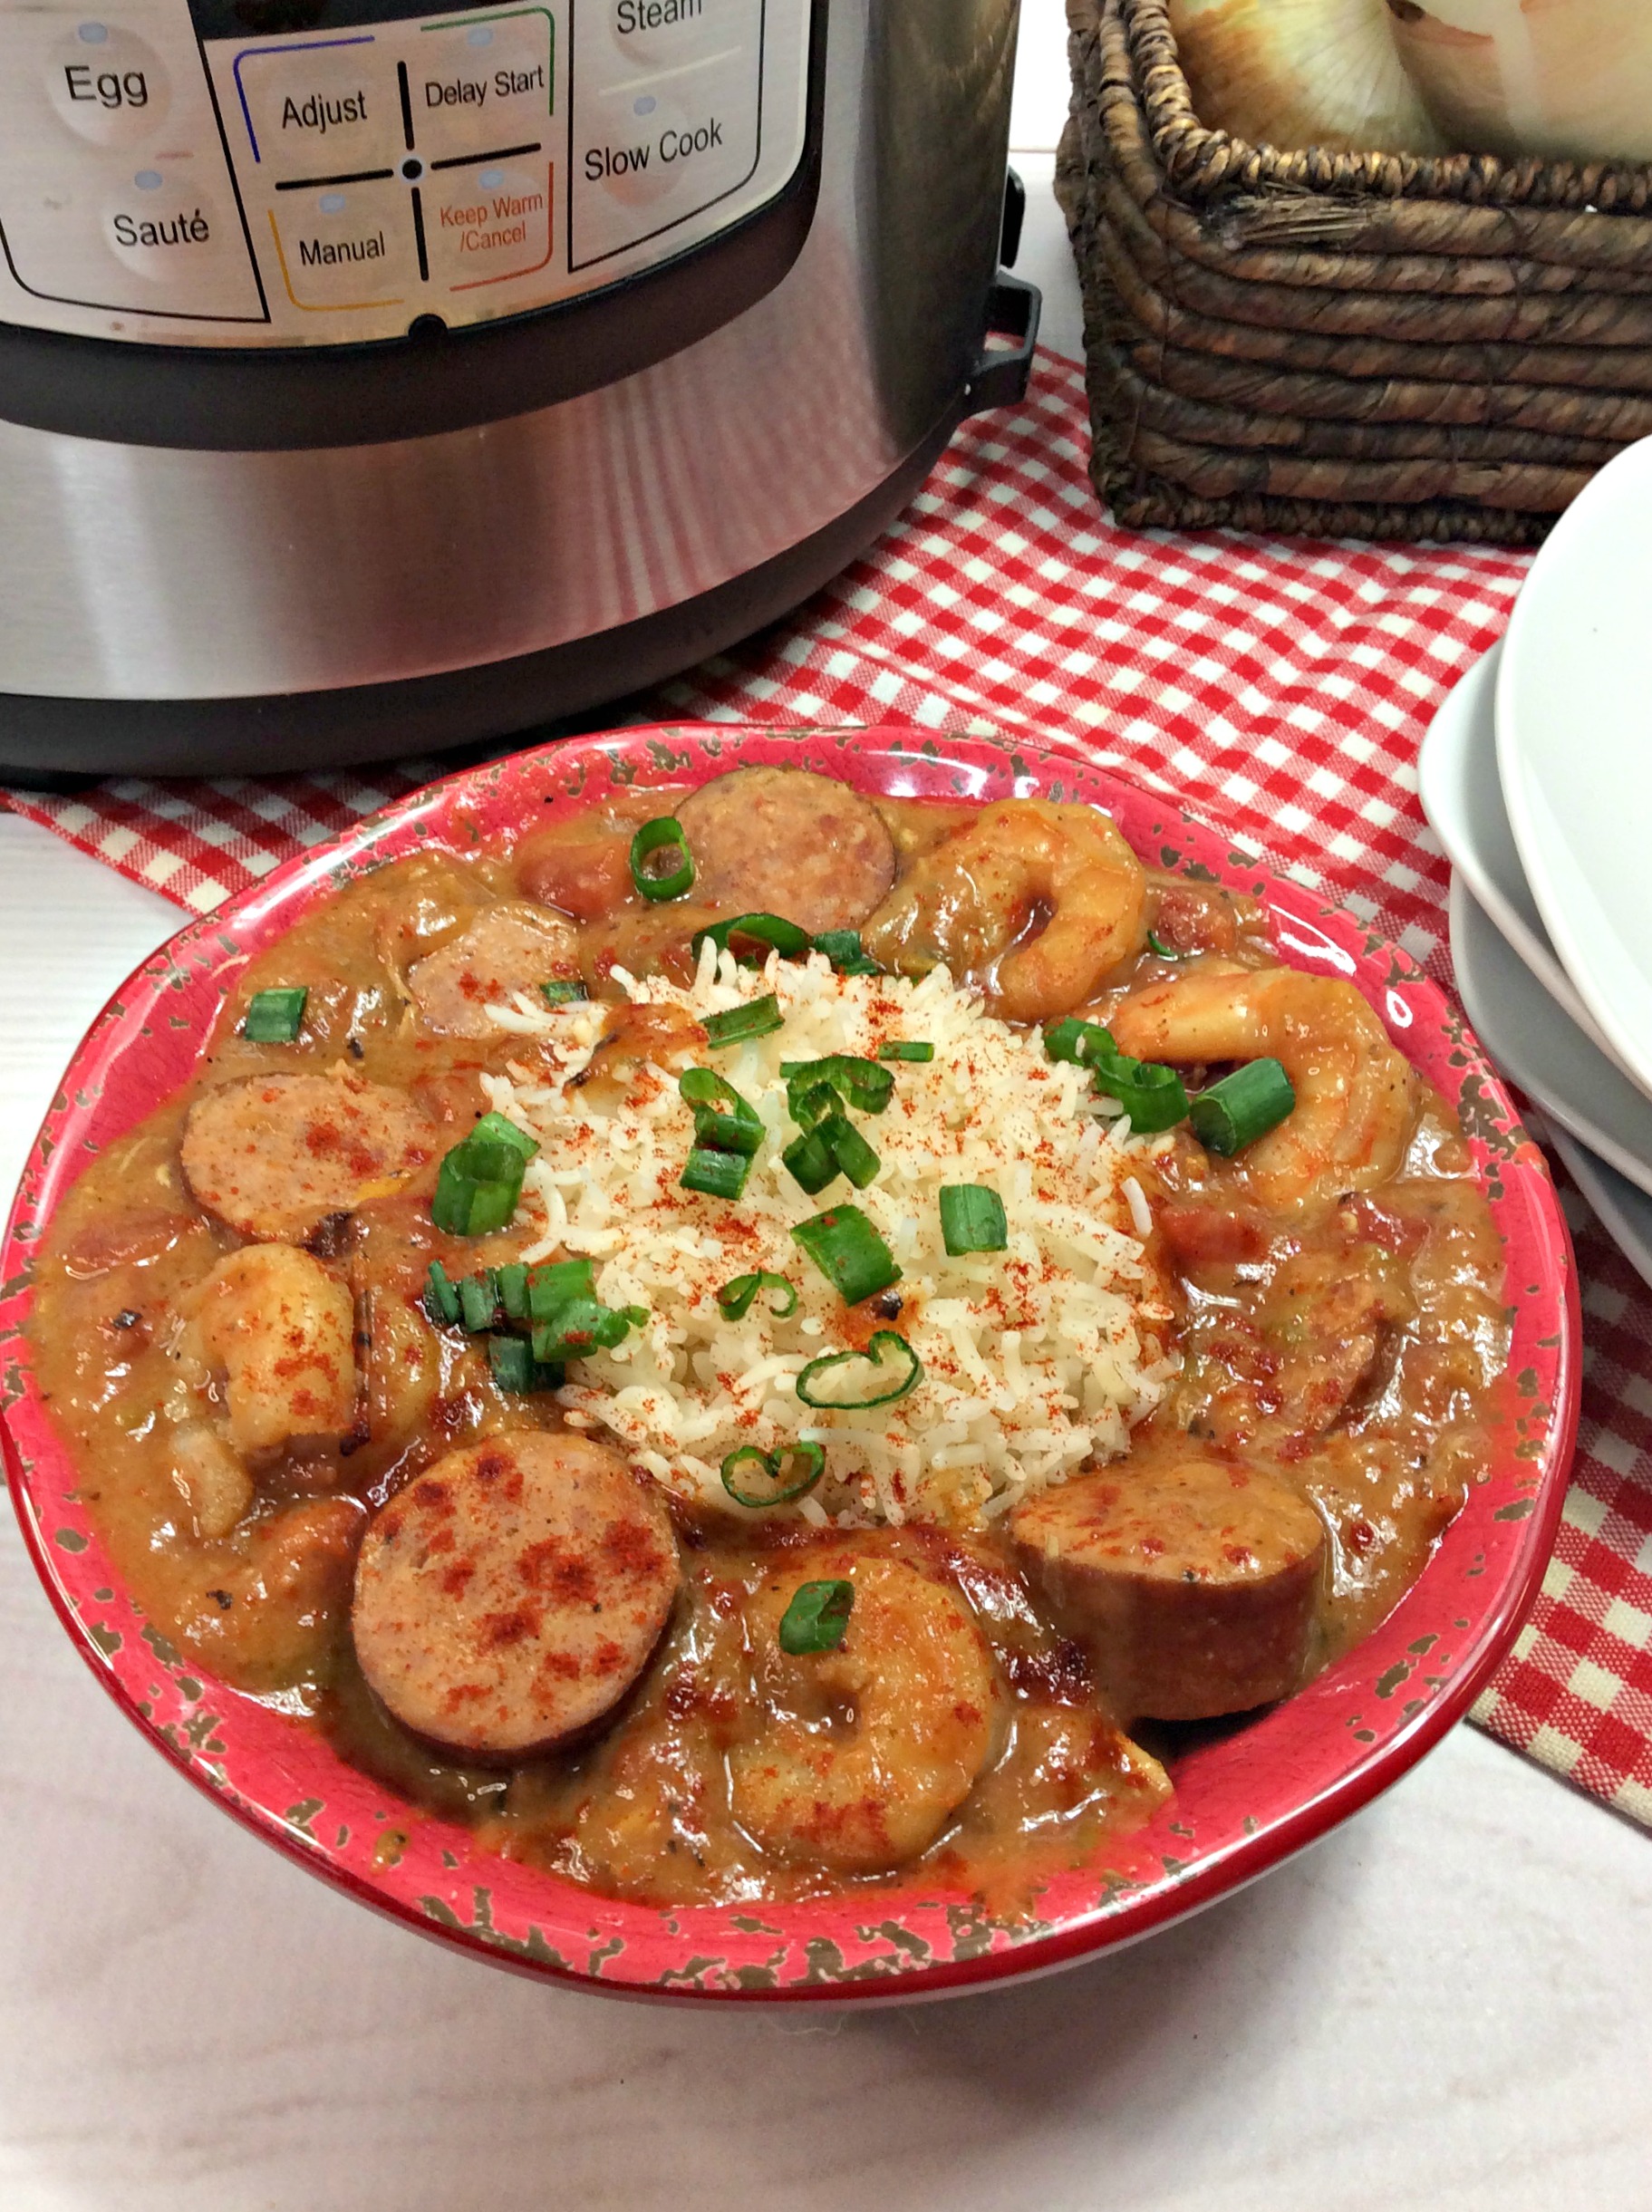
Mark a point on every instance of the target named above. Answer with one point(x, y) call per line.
point(1369, 345)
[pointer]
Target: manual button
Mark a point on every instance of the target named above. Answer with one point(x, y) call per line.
point(345, 247)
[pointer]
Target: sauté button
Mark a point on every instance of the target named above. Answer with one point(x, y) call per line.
point(107, 85)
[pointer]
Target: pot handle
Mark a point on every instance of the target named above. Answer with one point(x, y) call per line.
point(1000, 374)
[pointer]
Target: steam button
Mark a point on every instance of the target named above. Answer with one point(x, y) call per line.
point(107, 85)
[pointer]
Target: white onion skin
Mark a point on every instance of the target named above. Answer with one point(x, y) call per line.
point(1291, 73)
point(1567, 80)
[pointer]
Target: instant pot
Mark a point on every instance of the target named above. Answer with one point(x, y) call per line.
point(374, 378)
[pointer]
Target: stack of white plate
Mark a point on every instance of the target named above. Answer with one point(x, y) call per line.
point(1537, 778)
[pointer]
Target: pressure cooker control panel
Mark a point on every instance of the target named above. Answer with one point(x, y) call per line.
point(163, 182)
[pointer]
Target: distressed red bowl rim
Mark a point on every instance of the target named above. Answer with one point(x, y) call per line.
point(1245, 1801)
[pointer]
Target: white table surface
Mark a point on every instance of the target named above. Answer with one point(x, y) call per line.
point(1448, 2004)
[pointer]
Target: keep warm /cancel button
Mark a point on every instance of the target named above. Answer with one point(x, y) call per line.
point(489, 225)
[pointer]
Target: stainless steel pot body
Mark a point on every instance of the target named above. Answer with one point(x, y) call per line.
point(153, 573)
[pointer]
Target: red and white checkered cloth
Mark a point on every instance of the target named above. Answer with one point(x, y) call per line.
point(1281, 687)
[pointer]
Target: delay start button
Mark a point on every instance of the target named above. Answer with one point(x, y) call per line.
point(107, 85)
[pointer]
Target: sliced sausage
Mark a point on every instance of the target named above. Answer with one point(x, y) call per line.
point(1195, 1578)
point(507, 1599)
point(281, 1327)
point(784, 841)
point(516, 947)
point(273, 1156)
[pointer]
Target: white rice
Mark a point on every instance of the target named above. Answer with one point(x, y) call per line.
point(1036, 1361)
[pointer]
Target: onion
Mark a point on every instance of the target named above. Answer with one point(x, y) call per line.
point(1567, 78)
point(1302, 73)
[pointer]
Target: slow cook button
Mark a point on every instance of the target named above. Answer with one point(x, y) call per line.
point(107, 85)
point(346, 247)
point(482, 85)
point(320, 108)
point(487, 226)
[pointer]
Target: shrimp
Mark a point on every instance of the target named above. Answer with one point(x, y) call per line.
point(1356, 1094)
point(280, 1327)
point(863, 1753)
point(972, 900)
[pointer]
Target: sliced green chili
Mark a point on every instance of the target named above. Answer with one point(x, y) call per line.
point(848, 1252)
point(972, 1219)
point(1242, 1106)
point(756, 1478)
point(866, 1381)
point(737, 1297)
point(274, 1017)
point(672, 880)
point(816, 1617)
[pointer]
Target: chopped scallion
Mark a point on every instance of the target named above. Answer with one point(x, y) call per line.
point(736, 1297)
point(849, 1148)
point(759, 1017)
point(663, 834)
point(887, 1370)
point(1242, 1106)
point(848, 1252)
point(756, 1478)
point(513, 1290)
point(465, 1206)
point(911, 1048)
point(479, 1302)
point(440, 1297)
point(1153, 1096)
point(582, 1327)
point(809, 1163)
point(553, 1285)
point(510, 1360)
point(561, 990)
point(1155, 944)
point(972, 1219)
point(274, 1017)
point(771, 933)
point(844, 949)
point(866, 1087)
point(715, 1175)
point(816, 1617)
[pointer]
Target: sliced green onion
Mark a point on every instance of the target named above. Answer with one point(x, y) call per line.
point(867, 1088)
point(850, 1149)
point(737, 1297)
point(723, 1120)
point(677, 877)
point(584, 1326)
point(1081, 1042)
point(810, 1104)
point(1242, 1106)
point(714, 1173)
point(816, 1617)
point(809, 1163)
point(478, 1302)
point(274, 1017)
point(758, 1017)
point(758, 1478)
point(510, 1360)
point(887, 1370)
point(513, 1290)
point(561, 990)
point(844, 949)
point(440, 1298)
point(848, 1252)
point(911, 1049)
point(972, 1219)
point(493, 1129)
point(466, 1205)
point(772, 932)
point(552, 1285)
point(1153, 1096)
point(1156, 943)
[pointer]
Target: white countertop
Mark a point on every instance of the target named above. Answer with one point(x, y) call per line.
point(1448, 2004)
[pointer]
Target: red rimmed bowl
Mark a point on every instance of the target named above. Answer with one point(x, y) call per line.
point(1244, 1803)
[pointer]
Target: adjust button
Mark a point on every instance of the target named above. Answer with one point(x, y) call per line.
point(321, 107)
point(107, 85)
